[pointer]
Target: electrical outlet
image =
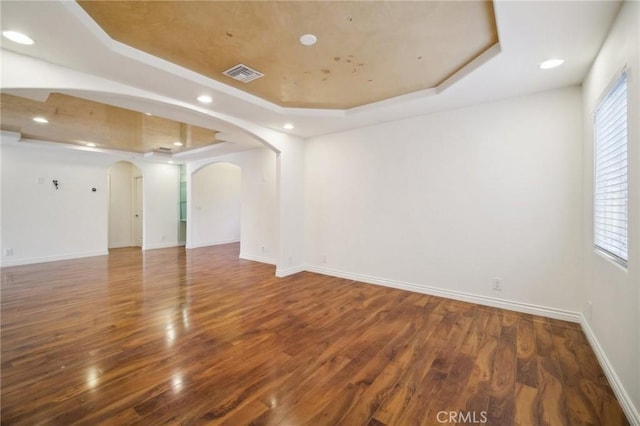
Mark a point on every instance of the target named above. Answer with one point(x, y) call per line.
point(8, 252)
point(496, 284)
point(264, 250)
point(324, 258)
point(290, 260)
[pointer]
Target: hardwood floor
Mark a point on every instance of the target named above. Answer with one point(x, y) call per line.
point(201, 337)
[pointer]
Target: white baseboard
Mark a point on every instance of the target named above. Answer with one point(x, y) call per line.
point(121, 245)
point(285, 272)
point(212, 243)
point(456, 295)
point(43, 259)
point(630, 410)
point(261, 259)
point(159, 246)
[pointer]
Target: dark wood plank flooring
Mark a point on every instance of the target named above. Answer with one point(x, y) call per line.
point(201, 337)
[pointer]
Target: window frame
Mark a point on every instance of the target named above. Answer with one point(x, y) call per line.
point(621, 77)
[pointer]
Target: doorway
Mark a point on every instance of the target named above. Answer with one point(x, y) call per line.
point(126, 215)
point(137, 211)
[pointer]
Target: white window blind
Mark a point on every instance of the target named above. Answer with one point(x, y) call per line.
point(610, 197)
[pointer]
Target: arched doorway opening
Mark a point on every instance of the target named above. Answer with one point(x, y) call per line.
point(126, 214)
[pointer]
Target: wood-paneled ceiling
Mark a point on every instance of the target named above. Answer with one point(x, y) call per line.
point(78, 121)
point(367, 51)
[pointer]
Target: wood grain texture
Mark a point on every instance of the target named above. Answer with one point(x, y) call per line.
point(77, 121)
point(201, 337)
point(366, 51)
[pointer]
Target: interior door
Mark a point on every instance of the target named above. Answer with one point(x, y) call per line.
point(137, 211)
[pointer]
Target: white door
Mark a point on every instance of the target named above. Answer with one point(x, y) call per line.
point(137, 211)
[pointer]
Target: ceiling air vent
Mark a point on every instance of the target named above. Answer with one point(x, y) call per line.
point(242, 73)
point(159, 152)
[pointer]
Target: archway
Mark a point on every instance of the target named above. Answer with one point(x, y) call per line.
point(126, 215)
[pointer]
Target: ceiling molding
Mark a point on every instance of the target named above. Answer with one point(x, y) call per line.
point(125, 77)
point(360, 58)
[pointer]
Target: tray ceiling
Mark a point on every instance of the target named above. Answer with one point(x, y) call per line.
point(367, 51)
point(78, 121)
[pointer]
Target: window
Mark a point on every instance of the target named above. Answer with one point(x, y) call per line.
point(183, 193)
point(610, 186)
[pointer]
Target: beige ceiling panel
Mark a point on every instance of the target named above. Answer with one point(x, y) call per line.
point(79, 121)
point(367, 51)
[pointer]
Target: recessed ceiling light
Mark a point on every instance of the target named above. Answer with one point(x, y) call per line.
point(177, 143)
point(91, 144)
point(17, 37)
point(550, 63)
point(40, 120)
point(288, 126)
point(308, 39)
point(170, 161)
point(205, 99)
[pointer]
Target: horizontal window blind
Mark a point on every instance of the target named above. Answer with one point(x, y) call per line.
point(610, 192)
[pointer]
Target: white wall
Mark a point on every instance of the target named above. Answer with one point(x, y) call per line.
point(259, 233)
point(42, 224)
point(614, 291)
point(258, 199)
point(291, 218)
point(161, 204)
point(215, 197)
point(121, 181)
point(451, 200)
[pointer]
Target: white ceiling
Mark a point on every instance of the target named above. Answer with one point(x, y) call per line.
point(529, 32)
